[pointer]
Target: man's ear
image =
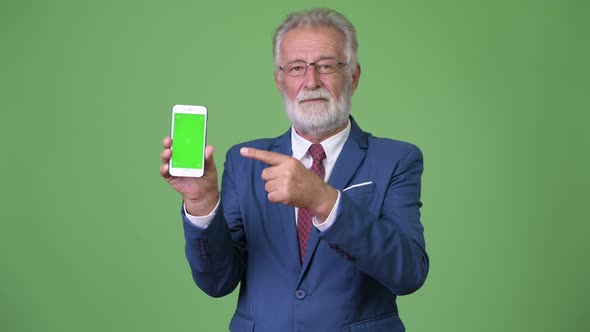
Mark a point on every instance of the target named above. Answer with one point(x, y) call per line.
point(356, 76)
point(278, 82)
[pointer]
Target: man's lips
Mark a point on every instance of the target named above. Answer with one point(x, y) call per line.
point(313, 100)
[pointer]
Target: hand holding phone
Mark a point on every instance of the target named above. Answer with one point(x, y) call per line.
point(189, 133)
point(200, 194)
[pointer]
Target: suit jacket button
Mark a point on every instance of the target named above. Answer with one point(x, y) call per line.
point(300, 294)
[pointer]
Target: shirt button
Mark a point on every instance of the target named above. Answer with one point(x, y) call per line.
point(300, 294)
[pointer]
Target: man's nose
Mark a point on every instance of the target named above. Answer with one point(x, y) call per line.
point(312, 78)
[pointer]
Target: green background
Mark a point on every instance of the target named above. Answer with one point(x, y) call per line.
point(494, 92)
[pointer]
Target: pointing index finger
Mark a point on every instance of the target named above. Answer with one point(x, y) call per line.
point(269, 157)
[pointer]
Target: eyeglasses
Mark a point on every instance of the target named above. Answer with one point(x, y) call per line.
point(299, 68)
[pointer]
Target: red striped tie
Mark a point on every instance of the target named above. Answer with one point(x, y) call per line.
point(305, 216)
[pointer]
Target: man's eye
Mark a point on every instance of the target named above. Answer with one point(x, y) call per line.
point(327, 66)
point(296, 68)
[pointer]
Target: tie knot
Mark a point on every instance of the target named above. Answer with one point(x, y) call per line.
point(317, 152)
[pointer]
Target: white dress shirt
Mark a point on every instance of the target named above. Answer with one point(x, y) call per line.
point(300, 146)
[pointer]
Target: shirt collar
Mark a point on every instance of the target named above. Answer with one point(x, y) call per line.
point(332, 145)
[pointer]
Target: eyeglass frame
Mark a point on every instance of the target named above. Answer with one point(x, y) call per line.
point(314, 64)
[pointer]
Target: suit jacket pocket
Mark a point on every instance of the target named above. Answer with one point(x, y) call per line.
point(359, 189)
point(390, 323)
point(362, 195)
point(241, 323)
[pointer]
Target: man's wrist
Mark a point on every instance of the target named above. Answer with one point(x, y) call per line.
point(326, 203)
point(323, 225)
point(202, 207)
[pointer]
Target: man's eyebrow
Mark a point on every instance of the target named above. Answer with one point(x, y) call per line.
point(325, 58)
point(317, 60)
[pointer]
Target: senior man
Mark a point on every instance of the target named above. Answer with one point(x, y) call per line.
point(321, 226)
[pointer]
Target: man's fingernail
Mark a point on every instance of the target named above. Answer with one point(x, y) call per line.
point(244, 151)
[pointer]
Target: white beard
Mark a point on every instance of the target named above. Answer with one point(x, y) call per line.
point(318, 118)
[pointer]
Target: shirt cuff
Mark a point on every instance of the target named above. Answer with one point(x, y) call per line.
point(322, 226)
point(201, 221)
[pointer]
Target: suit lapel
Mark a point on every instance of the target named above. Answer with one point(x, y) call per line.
point(312, 244)
point(285, 212)
point(352, 154)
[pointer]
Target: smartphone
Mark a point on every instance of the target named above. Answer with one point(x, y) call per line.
point(189, 136)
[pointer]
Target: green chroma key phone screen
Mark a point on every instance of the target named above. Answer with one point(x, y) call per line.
point(189, 137)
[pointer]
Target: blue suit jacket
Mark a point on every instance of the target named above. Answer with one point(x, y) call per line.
point(352, 272)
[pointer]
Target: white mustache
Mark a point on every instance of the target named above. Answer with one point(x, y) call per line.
point(314, 94)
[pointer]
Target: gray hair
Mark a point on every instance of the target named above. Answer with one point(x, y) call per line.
point(315, 18)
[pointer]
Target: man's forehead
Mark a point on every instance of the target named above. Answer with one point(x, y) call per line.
point(313, 40)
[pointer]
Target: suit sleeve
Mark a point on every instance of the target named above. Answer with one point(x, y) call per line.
point(217, 254)
point(389, 245)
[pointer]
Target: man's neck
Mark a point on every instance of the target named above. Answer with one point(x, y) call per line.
point(321, 137)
